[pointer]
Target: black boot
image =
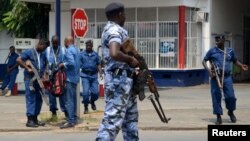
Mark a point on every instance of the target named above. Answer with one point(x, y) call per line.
point(232, 116)
point(53, 116)
point(219, 120)
point(86, 110)
point(66, 114)
point(37, 122)
point(93, 106)
point(31, 122)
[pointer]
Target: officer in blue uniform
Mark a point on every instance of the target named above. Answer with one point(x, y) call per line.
point(121, 105)
point(90, 66)
point(54, 55)
point(71, 66)
point(216, 55)
point(33, 98)
point(12, 71)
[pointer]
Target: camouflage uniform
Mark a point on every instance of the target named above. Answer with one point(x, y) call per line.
point(121, 106)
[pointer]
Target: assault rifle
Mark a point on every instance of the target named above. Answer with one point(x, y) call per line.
point(144, 77)
point(39, 81)
point(216, 72)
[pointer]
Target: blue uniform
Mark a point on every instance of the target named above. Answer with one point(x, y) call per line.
point(33, 98)
point(72, 68)
point(89, 70)
point(54, 58)
point(10, 78)
point(216, 55)
point(121, 106)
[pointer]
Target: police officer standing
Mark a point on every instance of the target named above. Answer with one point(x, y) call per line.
point(12, 71)
point(33, 98)
point(54, 55)
point(222, 57)
point(121, 106)
point(72, 69)
point(90, 66)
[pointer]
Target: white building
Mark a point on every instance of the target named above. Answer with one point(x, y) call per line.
point(172, 35)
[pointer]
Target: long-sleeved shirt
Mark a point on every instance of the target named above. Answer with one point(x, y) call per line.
point(72, 64)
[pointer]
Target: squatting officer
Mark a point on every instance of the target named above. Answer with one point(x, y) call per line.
point(216, 55)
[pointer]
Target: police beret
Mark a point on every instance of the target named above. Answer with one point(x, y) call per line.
point(113, 7)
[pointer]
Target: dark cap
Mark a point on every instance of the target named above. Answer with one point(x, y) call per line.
point(12, 47)
point(89, 41)
point(219, 36)
point(113, 7)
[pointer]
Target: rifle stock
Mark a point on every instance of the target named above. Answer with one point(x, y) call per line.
point(216, 73)
point(39, 81)
point(144, 77)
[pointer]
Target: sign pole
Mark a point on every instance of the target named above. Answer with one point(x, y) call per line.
point(80, 28)
point(77, 40)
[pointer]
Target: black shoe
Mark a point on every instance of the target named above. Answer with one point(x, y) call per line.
point(54, 113)
point(37, 122)
point(232, 116)
point(97, 139)
point(86, 110)
point(67, 125)
point(31, 122)
point(219, 120)
point(93, 106)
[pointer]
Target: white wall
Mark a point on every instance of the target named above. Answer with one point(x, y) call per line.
point(227, 16)
point(65, 25)
point(127, 3)
point(5, 42)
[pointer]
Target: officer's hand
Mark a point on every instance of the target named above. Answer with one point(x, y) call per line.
point(211, 74)
point(133, 63)
point(244, 67)
point(61, 66)
point(30, 71)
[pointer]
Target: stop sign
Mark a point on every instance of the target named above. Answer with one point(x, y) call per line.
point(80, 23)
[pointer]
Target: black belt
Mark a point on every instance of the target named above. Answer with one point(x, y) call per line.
point(117, 72)
point(225, 74)
point(89, 72)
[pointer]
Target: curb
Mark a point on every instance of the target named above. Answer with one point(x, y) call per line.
point(95, 128)
point(25, 130)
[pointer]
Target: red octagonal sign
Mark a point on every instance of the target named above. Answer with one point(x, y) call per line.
point(80, 23)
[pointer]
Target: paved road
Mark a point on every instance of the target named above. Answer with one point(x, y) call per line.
point(189, 107)
point(90, 136)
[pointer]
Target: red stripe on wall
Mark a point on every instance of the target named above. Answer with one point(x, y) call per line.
point(182, 33)
point(72, 32)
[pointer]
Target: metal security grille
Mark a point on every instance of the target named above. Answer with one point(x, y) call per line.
point(146, 42)
point(193, 48)
point(157, 40)
point(91, 31)
point(168, 44)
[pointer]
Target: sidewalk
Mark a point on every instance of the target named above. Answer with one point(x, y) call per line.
point(190, 108)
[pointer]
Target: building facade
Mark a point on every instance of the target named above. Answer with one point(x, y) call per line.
point(172, 35)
